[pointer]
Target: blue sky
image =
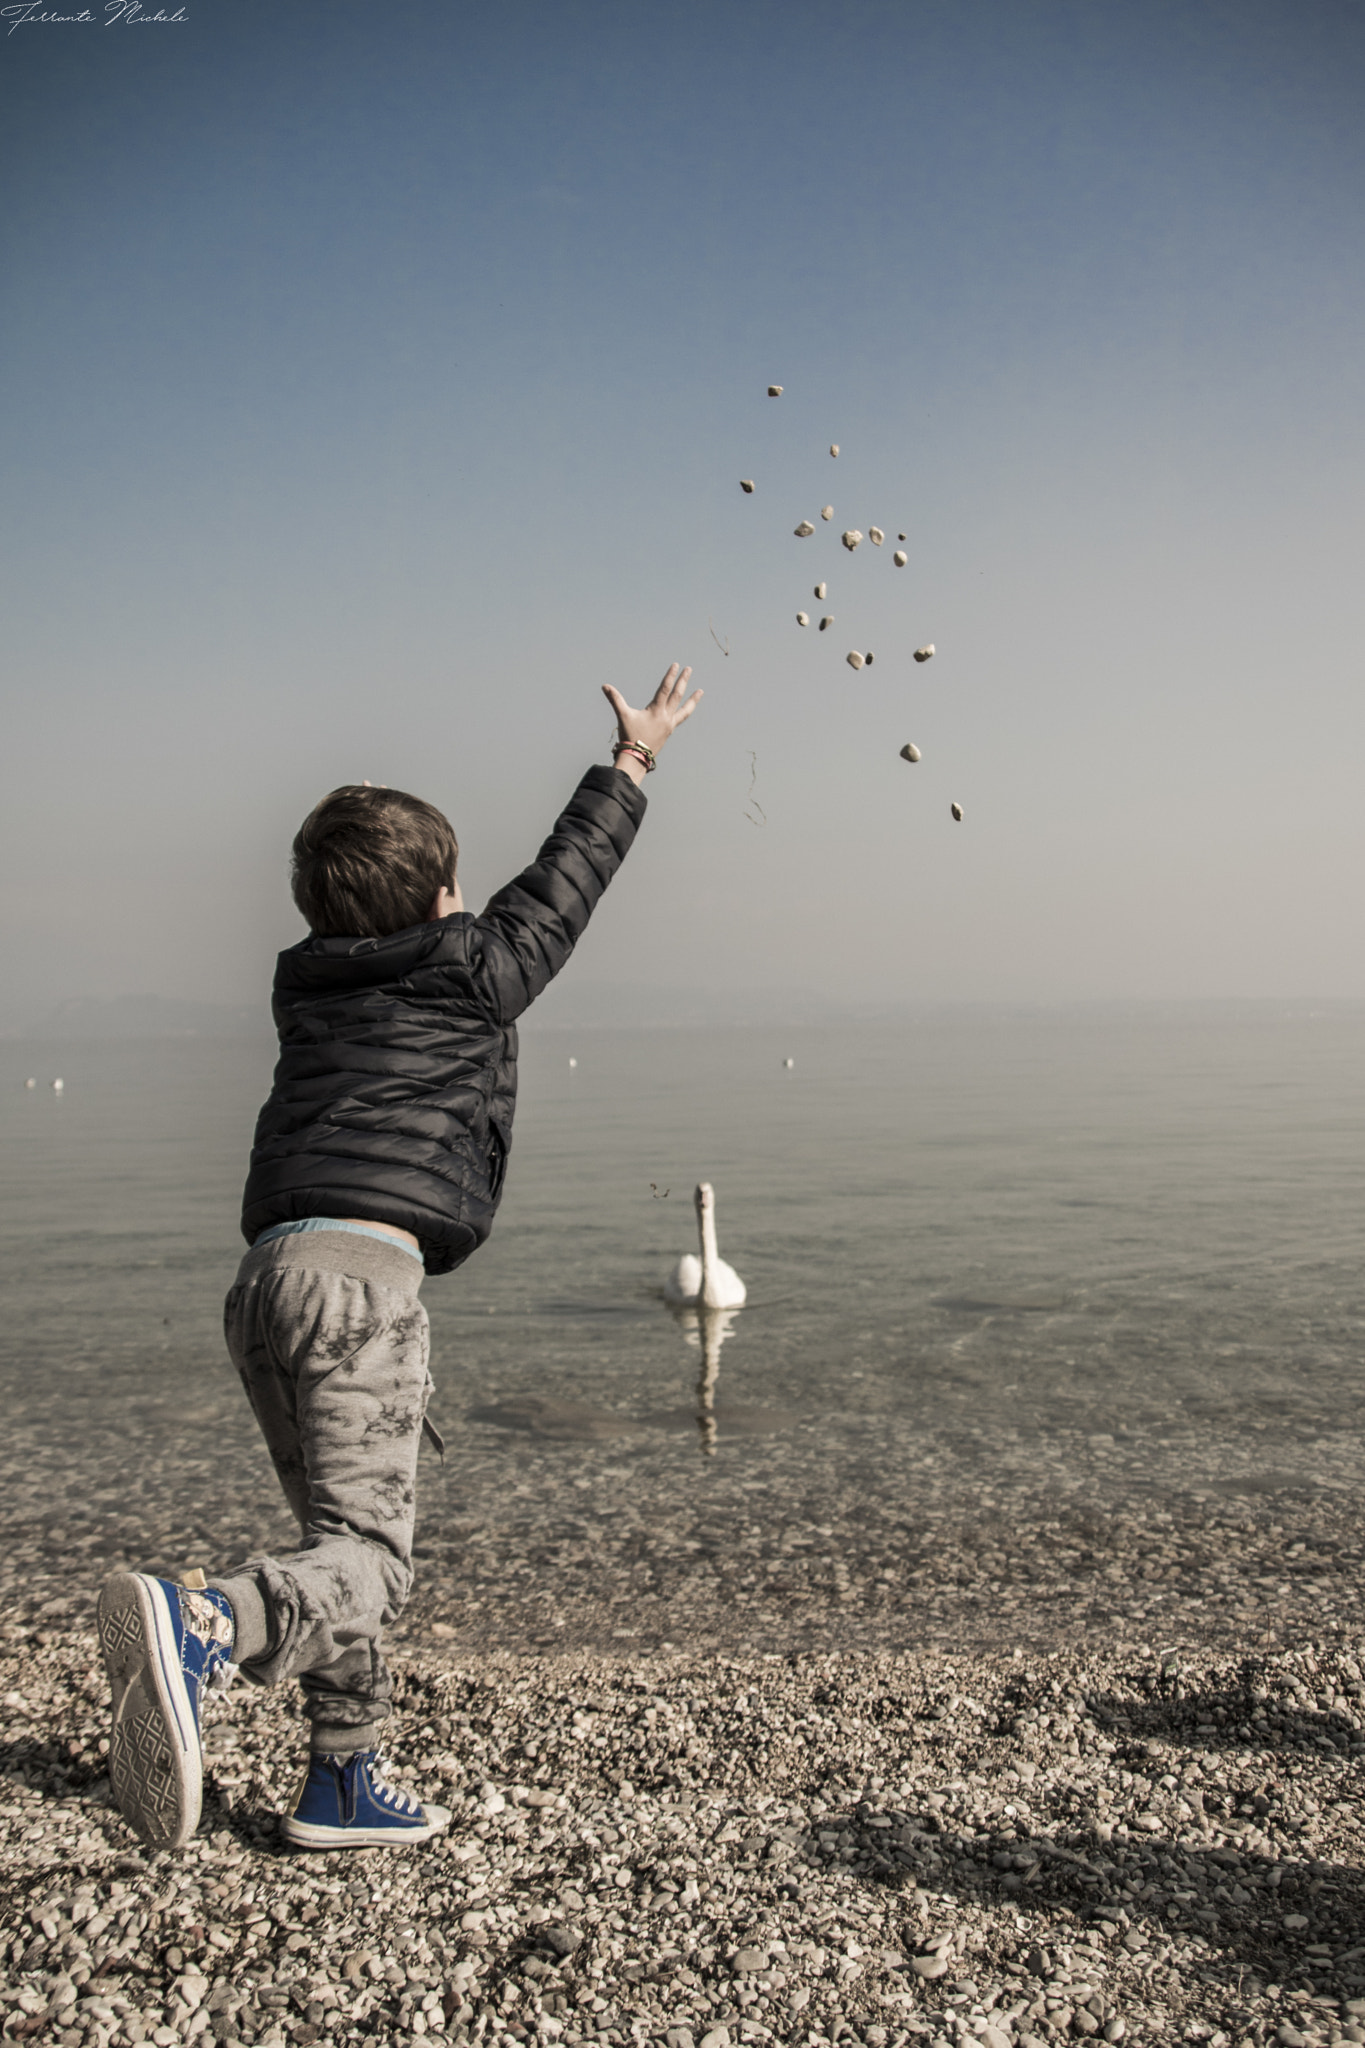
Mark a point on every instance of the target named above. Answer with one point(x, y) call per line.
point(378, 382)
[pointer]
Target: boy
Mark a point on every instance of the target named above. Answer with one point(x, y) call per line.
point(379, 1155)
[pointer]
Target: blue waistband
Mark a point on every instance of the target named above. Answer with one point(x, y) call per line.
point(331, 1223)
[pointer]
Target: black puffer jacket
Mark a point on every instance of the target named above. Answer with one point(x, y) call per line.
point(397, 1075)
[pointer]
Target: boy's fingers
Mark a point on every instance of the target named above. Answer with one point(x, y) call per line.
point(690, 706)
point(665, 688)
point(615, 699)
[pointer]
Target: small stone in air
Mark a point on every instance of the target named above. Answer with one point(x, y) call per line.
point(834, 447)
point(803, 618)
point(827, 512)
point(899, 558)
point(867, 661)
point(826, 622)
point(956, 810)
point(774, 391)
point(789, 1063)
point(804, 530)
point(875, 535)
point(910, 752)
point(820, 591)
point(925, 653)
point(852, 539)
point(854, 660)
point(900, 536)
point(746, 484)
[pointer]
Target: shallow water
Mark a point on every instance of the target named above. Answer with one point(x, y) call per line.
point(996, 1262)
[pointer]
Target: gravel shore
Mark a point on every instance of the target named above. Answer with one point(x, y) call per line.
point(1021, 1846)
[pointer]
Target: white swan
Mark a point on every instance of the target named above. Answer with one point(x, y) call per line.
point(707, 1280)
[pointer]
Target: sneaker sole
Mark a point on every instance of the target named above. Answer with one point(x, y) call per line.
point(304, 1834)
point(156, 1765)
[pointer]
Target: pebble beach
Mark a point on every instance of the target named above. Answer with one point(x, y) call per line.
point(1083, 1831)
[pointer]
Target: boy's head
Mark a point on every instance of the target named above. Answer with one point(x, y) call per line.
point(371, 861)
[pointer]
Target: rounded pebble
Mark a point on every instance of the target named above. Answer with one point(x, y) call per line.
point(902, 536)
point(789, 1063)
point(899, 558)
point(57, 1086)
point(827, 512)
point(956, 810)
point(852, 539)
point(746, 484)
point(867, 661)
point(854, 660)
point(910, 752)
point(925, 653)
point(803, 618)
point(820, 591)
point(774, 391)
point(875, 535)
point(804, 530)
point(834, 447)
point(826, 622)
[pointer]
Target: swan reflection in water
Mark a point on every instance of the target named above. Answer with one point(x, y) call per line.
point(706, 1329)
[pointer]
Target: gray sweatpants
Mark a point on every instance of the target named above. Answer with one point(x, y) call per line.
point(331, 1342)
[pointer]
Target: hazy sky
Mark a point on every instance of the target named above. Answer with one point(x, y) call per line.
point(378, 379)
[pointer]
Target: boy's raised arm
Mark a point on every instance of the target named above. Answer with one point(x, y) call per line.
point(530, 927)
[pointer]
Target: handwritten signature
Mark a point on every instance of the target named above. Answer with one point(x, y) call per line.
point(29, 13)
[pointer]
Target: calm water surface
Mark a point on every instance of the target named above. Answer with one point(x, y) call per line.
point(1092, 1251)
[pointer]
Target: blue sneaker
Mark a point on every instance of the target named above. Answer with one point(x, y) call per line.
point(345, 1804)
point(162, 1644)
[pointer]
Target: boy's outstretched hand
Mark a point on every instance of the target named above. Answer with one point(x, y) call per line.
point(662, 715)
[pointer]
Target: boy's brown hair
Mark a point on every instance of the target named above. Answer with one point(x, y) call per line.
point(368, 862)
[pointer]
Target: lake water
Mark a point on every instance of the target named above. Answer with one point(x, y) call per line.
point(1009, 1273)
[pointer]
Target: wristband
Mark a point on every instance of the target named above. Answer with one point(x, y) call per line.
point(645, 755)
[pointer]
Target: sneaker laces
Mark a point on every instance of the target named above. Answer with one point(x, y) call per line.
point(401, 1802)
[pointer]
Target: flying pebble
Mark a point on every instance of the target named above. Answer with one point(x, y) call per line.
point(854, 660)
point(826, 622)
point(803, 618)
point(867, 661)
point(827, 512)
point(875, 535)
point(820, 589)
point(789, 1063)
point(852, 539)
point(925, 653)
point(899, 558)
point(746, 484)
point(572, 1061)
point(774, 391)
point(804, 530)
point(956, 810)
point(57, 1086)
point(900, 536)
point(32, 1083)
point(910, 752)
point(834, 447)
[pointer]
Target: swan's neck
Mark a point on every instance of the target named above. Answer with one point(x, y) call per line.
point(710, 1252)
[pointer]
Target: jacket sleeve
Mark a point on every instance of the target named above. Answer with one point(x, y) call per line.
point(531, 926)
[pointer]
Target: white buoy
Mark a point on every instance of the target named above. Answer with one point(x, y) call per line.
point(803, 618)
point(789, 1064)
point(899, 558)
point(852, 539)
point(956, 810)
point(910, 752)
point(875, 535)
point(827, 512)
point(804, 530)
point(854, 660)
point(925, 653)
point(774, 391)
point(707, 1280)
point(58, 1085)
point(820, 592)
point(746, 484)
